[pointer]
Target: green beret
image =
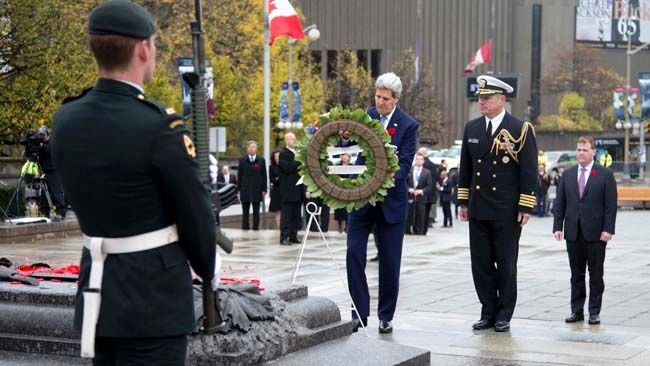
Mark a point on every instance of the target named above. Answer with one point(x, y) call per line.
point(121, 17)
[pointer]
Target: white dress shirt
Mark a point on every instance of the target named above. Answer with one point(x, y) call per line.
point(133, 85)
point(496, 121)
point(388, 117)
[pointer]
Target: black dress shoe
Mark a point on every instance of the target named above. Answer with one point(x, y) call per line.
point(356, 323)
point(294, 240)
point(594, 319)
point(502, 326)
point(284, 242)
point(385, 327)
point(575, 317)
point(374, 259)
point(483, 324)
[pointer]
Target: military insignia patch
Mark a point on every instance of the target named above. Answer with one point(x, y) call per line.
point(189, 146)
point(505, 160)
point(482, 83)
point(170, 110)
point(178, 122)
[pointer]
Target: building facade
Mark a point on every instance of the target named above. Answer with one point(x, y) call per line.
point(527, 37)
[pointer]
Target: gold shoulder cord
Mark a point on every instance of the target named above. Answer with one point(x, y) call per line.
point(505, 141)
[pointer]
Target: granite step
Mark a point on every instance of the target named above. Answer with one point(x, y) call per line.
point(357, 350)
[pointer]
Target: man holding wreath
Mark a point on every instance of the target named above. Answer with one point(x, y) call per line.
point(389, 216)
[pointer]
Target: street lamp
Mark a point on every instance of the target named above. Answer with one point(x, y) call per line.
point(313, 34)
point(642, 124)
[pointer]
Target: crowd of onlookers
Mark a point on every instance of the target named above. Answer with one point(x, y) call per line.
point(429, 185)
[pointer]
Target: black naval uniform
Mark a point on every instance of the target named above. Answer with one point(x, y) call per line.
point(128, 167)
point(495, 188)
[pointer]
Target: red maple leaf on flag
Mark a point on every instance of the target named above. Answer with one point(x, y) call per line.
point(283, 21)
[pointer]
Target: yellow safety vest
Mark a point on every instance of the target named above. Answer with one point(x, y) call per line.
point(606, 160)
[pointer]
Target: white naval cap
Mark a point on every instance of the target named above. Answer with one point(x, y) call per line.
point(488, 85)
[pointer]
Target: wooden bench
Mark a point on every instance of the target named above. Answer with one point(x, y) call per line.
point(634, 194)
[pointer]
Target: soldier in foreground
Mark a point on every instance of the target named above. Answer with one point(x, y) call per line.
point(496, 193)
point(129, 171)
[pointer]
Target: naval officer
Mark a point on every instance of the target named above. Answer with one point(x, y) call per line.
point(496, 193)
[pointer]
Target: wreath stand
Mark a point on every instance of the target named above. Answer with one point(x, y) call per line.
point(313, 210)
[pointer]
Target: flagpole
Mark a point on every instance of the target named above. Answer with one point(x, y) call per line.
point(492, 30)
point(267, 96)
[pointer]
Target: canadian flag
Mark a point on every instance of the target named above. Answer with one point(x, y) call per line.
point(283, 20)
point(482, 56)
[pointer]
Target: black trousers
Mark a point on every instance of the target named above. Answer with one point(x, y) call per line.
point(55, 188)
point(417, 219)
point(446, 211)
point(428, 215)
point(494, 248)
point(586, 254)
point(290, 220)
point(165, 351)
point(256, 215)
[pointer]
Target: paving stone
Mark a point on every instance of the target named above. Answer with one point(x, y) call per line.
point(437, 303)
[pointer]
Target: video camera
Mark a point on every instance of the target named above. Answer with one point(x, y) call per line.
point(33, 142)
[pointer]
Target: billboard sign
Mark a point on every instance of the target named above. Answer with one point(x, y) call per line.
point(605, 22)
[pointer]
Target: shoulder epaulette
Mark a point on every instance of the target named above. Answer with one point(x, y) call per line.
point(70, 99)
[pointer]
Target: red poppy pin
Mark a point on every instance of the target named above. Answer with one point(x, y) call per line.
point(391, 131)
point(592, 173)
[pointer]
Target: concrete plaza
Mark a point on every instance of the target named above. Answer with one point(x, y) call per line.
point(437, 302)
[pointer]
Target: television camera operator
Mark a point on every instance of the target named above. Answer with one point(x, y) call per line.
point(37, 149)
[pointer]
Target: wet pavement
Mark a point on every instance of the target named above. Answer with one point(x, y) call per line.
point(437, 302)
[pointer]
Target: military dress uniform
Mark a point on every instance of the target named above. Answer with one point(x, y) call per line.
point(129, 171)
point(497, 180)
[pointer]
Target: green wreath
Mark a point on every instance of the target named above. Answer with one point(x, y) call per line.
point(372, 185)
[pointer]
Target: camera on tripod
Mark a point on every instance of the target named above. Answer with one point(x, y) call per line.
point(33, 142)
point(32, 179)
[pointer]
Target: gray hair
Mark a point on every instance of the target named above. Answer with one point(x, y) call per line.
point(251, 142)
point(391, 82)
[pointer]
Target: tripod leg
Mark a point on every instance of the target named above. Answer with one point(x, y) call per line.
point(47, 196)
point(14, 195)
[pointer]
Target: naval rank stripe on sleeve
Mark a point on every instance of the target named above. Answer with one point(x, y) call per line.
point(527, 200)
point(463, 193)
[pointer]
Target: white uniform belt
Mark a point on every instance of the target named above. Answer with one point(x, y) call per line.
point(99, 248)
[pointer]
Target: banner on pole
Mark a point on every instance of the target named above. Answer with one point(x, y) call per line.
point(284, 109)
point(297, 104)
point(619, 104)
point(644, 86)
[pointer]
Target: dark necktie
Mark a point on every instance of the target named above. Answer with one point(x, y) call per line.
point(489, 130)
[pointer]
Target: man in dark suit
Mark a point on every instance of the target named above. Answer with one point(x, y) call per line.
point(389, 215)
point(251, 180)
point(432, 196)
point(586, 205)
point(226, 177)
point(292, 195)
point(496, 193)
point(146, 214)
point(420, 184)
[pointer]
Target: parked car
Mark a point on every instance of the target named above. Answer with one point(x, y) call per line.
point(556, 159)
point(451, 157)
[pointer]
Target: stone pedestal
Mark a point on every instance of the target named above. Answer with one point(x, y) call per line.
point(39, 320)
